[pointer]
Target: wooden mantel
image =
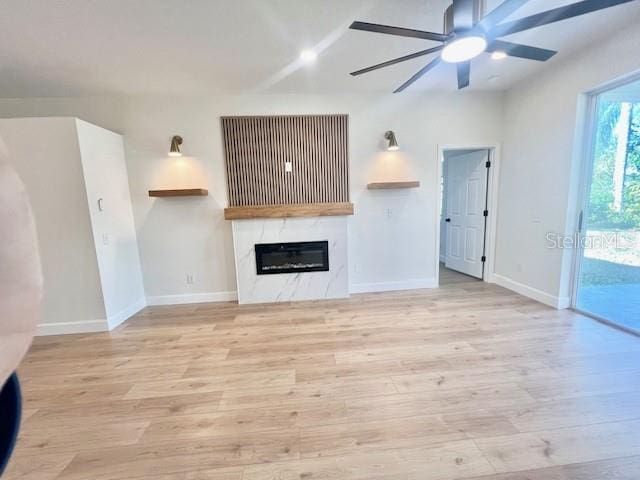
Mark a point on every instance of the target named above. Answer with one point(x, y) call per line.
point(285, 211)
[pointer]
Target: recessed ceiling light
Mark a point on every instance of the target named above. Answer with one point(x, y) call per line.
point(308, 56)
point(498, 55)
point(463, 49)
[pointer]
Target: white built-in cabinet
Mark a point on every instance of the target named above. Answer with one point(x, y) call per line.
point(75, 174)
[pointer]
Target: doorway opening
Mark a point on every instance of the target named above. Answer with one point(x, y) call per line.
point(607, 274)
point(465, 211)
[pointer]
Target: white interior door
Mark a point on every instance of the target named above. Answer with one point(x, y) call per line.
point(466, 200)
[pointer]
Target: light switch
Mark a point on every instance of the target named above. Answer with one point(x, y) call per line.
point(288, 167)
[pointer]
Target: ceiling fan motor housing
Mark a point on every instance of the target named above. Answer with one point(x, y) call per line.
point(468, 28)
point(479, 8)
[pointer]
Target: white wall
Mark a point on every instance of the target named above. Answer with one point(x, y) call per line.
point(540, 163)
point(45, 154)
point(392, 236)
point(105, 175)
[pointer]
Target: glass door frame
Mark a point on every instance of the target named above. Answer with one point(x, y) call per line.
point(584, 190)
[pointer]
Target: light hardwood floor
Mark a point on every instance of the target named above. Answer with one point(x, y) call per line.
point(466, 381)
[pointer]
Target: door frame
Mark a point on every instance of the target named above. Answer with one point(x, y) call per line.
point(492, 202)
point(584, 188)
point(585, 173)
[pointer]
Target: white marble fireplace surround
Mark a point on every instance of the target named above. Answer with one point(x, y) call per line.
point(285, 287)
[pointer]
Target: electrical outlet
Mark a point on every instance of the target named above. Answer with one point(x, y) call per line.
point(288, 167)
point(105, 239)
point(190, 280)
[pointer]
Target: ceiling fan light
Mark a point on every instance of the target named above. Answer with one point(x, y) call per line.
point(463, 48)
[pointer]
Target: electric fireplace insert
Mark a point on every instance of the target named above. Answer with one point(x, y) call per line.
point(292, 257)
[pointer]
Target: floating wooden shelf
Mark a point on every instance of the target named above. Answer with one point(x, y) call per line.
point(182, 192)
point(284, 211)
point(388, 185)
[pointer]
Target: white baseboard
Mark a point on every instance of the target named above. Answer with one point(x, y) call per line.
point(90, 326)
point(538, 295)
point(413, 284)
point(564, 302)
point(192, 298)
point(67, 328)
point(115, 320)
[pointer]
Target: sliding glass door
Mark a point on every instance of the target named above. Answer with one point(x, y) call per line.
point(608, 283)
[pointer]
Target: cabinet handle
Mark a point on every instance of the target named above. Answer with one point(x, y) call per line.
point(100, 208)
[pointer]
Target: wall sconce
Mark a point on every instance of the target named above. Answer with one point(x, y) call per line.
point(392, 142)
point(174, 150)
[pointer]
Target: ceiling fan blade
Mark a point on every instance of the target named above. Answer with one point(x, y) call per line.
point(555, 15)
point(521, 51)
point(499, 13)
point(463, 15)
point(464, 72)
point(418, 74)
point(398, 60)
point(402, 32)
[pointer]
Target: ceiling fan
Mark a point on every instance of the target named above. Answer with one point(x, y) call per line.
point(467, 34)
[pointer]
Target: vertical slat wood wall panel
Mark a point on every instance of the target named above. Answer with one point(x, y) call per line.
point(257, 148)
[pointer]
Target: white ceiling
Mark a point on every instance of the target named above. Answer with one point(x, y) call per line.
point(103, 47)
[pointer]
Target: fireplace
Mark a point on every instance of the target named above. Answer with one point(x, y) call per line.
point(292, 257)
